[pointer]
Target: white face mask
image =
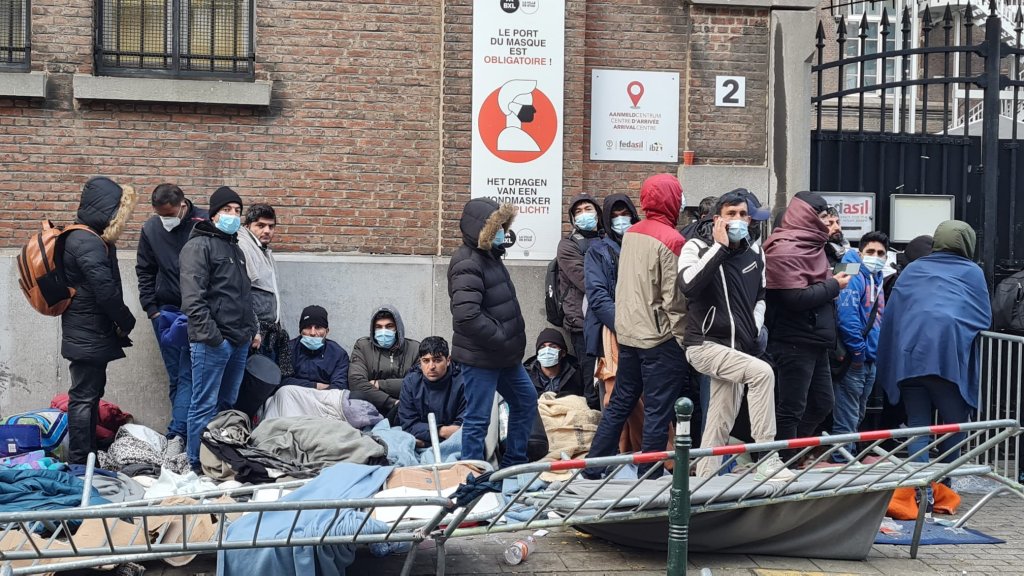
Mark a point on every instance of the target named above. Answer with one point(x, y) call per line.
point(171, 222)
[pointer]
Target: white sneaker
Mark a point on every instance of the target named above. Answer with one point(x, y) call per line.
point(771, 469)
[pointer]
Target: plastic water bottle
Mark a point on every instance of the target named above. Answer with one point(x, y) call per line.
point(519, 551)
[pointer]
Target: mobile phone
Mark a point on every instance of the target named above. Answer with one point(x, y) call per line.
point(851, 268)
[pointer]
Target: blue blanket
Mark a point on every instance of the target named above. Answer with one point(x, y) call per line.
point(339, 482)
point(930, 328)
point(25, 490)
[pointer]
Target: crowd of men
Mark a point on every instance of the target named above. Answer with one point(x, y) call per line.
point(652, 313)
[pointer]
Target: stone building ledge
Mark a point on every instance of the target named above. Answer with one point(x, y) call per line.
point(88, 87)
point(23, 84)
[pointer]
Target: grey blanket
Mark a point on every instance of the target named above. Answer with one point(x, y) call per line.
point(317, 442)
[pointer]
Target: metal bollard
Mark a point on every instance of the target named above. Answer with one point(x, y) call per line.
point(679, 504)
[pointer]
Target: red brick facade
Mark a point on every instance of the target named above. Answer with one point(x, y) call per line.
point(366, 144)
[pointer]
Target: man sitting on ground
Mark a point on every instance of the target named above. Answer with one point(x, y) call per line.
point(433, 385)
point(316, 361)
point(380, 362)
point(552, 368)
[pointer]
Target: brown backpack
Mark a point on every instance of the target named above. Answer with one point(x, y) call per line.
point(41, 269)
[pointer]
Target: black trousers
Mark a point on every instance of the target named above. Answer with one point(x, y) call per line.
point(804, 396)
point(587, 363)
point(88, 381)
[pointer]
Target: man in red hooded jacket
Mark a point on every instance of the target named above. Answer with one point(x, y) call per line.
point(648, 321)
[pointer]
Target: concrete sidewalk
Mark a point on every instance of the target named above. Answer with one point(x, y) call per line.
point(570, 552)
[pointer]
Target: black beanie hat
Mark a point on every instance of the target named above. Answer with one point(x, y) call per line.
point(222, 197)
point(313, 316)
point(553, 336)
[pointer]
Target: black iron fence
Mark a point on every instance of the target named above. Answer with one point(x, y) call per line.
point(927, 103)
point(15, 45)
point(176, 38)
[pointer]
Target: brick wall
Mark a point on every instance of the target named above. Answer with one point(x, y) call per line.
point(370, 99)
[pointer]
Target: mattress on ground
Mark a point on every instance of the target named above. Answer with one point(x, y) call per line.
point(841, 528)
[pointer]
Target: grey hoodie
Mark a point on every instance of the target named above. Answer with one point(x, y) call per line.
point(371, 362)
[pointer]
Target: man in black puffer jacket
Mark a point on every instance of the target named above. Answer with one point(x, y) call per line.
point(222, 325)
point(95, 328)
point(489, 331)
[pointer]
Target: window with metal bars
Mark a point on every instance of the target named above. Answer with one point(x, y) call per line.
point(175, 38)
point(14, 34)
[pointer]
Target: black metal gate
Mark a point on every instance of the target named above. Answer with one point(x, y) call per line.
point(918, 106)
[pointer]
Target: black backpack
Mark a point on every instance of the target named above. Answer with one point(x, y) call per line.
point(1008, 304)
point(553, 294)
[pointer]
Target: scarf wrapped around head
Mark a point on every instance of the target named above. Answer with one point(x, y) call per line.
point(795, 250)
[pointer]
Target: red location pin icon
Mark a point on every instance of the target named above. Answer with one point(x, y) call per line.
point(635, 91)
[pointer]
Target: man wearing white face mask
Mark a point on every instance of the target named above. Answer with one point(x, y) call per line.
point(722, 275)
point(157, 267)
point(553, 369)
point(860, 309)
point(316, 361)
point(587, 229)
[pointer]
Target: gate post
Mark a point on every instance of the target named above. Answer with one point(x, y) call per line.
point(990, 140)
point(679, 503)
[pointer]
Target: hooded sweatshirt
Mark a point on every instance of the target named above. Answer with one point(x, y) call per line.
point(854, 310)
point(89, 325)
point(648, 313)
point(487, 322)
point(262, 271)
point(601, 272)
point(388, 366)
point(571, 251)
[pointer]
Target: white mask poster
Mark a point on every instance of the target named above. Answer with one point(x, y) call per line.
point(518, 79)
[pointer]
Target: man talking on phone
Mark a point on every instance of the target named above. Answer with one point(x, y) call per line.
point(723, 277)
point(801, 316)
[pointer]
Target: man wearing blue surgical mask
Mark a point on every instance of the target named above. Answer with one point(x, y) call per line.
point(222, 324)
point(381, 360)
point(722, 275)
point(586, 229)
point(316, 361)
point(860, 308)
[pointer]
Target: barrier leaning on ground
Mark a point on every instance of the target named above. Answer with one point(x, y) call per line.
point(874, 470)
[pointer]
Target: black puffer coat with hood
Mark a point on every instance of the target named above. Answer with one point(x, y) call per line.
point(89, 326)
point(489, 330)
point(388, 366)
point(571, 251)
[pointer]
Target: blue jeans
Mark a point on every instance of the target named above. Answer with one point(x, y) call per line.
point(216, 377)
point(852, 393)
point(660, 374)
point(928, 394)
point(517, 389)
point(178, 362)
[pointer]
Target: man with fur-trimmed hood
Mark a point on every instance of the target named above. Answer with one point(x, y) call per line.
point(95, 327)
point(489, 331)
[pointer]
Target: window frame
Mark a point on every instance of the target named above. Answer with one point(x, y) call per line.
point(7, 52)
point(175, 57)
point(854, 14)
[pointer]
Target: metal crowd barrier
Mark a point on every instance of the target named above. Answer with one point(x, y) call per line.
point(1002, 375)
point(872, 469)
point(877, 467)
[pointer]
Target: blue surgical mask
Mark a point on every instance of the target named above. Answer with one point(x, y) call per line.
point(621, 223)
point(228, 223)
point(312, 342)
point(586, 221)
point(737, 230)
point(499, 238)
point(548, 356)
point(874, 264)
point(385, 338)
